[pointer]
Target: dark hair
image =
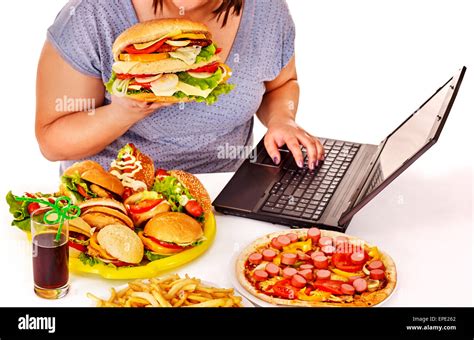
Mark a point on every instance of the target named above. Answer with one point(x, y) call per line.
point(226, 7)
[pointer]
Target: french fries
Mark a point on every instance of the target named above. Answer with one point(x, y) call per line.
point(169, 291)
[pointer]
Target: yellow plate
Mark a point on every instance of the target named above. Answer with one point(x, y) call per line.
point(153, 268)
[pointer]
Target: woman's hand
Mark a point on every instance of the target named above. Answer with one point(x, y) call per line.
point(135, 110)
point(286, 131)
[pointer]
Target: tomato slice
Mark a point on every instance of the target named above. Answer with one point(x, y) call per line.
point(218, 50)
point(194, 208)
point(130, 76)
point(32, 207)
point(82, 192)
point(144, 85)
point(343, 262)
point(165, 244)
point(161, 173)
point(77, 246)
point(153, 48)
point(144, 206)
point(331, 286)
point(284, 289)
point(211, 68)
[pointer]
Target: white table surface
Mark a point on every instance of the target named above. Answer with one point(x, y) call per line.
point(415, 239)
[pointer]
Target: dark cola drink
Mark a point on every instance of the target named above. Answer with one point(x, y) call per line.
point(50, 262)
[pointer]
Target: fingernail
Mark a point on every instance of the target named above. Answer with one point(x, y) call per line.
point(300, 164)
point(316, 163)
point(311, 165)
point(276, 160)
point(322, 157)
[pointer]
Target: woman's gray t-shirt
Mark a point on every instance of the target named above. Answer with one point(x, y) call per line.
point(189, 136)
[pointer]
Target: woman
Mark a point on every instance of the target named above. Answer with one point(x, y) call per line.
point(257, 41)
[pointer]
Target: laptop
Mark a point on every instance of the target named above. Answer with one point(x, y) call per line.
point(351, 175)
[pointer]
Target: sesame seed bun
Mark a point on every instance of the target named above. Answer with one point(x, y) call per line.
point(121, 243)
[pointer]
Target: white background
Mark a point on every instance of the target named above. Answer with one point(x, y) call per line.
point(363, 67)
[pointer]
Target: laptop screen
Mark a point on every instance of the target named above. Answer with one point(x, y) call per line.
point(409, 141)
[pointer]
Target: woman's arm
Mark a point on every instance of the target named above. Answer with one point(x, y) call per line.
point(278, 111)
point(63, 129)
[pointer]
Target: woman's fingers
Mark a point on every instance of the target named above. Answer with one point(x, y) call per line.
point(320, 147)
point(294, 146)
point(272, 148)
point(311, 149)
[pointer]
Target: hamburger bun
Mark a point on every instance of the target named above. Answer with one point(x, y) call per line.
point(174, 227)
point(121, 243)
point(94, 173)
point(154, 29)
point(78, 225)
point(196, 189)
point(150, 97)
point(99, 217)
point(102, 202)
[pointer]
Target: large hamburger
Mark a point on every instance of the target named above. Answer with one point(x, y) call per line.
point(170, 233)
point(87, 179)
point(117, 245)
point(168, 60)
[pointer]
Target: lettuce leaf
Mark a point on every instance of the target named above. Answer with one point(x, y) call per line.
point(212, 98)
point(206, 53)
point(88, 260)
point(204, 83)
point(71, 183)
point(153, 256)
point(110, 83)
point(19, 210)
point(172, 189)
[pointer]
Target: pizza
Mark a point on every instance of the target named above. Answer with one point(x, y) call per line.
point(316, 268)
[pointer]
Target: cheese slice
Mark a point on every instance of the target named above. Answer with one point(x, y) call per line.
point(163, 93)
point(123, 67)
point(134, 87)
point(142, 46)
point(190, 90)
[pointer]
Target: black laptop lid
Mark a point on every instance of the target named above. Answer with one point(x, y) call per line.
point(407, 143)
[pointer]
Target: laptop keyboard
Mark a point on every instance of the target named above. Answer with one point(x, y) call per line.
point(304, 193)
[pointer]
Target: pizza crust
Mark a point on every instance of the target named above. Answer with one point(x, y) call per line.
point(368, 299)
